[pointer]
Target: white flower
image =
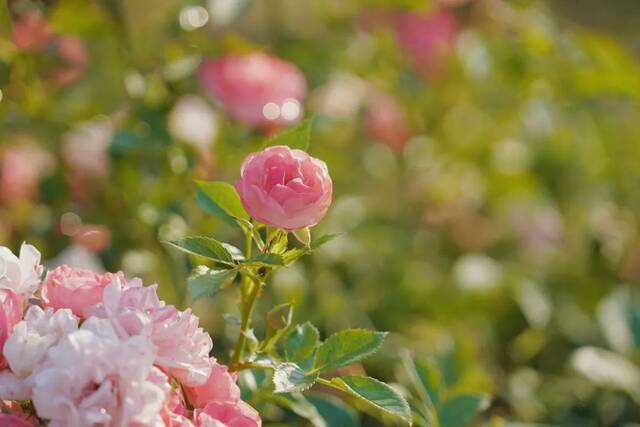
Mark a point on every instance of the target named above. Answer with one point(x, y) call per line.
point(33, 336)
point(92, 377)
point(20, 274)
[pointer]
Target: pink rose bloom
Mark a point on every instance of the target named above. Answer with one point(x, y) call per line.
point(10, 315)
point(21, 169)
point(75, 288)
point(33, 336)
point(230, 414)
point(258, 89)
point(384, 121)
point(31, 33)
point(175, 413)
point(91, 377)
point(9, 420)
point(182, 346)
point(221, 386)
point(285, 188)
point(427, 38)
point(75, 57)
point(20, 275)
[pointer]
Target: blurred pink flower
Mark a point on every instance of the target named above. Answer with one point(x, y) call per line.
point(75, 60)
point(221, 386)
point(31, 33)
point(20, 274)
point(230, 414)
point(10, 315)
point(75, 288)
point(21, 169)
point(92, 237)
point(182, 346)
point(92, 377)
point(258, 89)
point(285, 188)
point(428, 38)
point(384, 121)
point(85, 149)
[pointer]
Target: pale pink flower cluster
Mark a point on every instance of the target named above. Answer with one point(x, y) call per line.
point(92, 349)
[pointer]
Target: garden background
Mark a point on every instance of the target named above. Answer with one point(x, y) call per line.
point(486, 165)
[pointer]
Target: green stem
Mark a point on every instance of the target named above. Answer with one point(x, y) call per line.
point(249, 291)
point(248, 305)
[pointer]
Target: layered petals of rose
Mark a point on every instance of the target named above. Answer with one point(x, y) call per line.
point(258, 89)
point(10, 315)
point(230, 414)
point(285, 188)
point(20, 274)
point(75, 288)
point(182, 346)
point(9, 420)
point(92, 377)
point(220, 386)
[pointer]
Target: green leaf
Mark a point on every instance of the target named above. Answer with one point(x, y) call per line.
point(346, 347)
point(289, 377)
point(295, 137)
point(207, 282)
point(375, 393)
point(425, 377)
point(205, 247)
point(301, 343)
point(304, 236)
point(333, 411)
point(319, 241)
point(459, 410)
point(278, 320)
point(266, 260)
point(236, 253)
point(221, 199)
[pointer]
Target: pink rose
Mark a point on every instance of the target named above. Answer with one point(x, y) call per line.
point(221, 386)
point(427, 38)
point(384, 121)
point(91, 377)
point(75, 288)
point(9, 420)
point(175, 413)
point(31, 33)
point(182, 346)
point(258, 89)
point(10, 315)
point(230, 414)
point(285, 188)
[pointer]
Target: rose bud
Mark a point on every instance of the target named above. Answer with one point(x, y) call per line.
point(260, 90)
point(285, 188)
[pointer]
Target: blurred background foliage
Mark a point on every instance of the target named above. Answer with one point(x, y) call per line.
point(486, 190)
